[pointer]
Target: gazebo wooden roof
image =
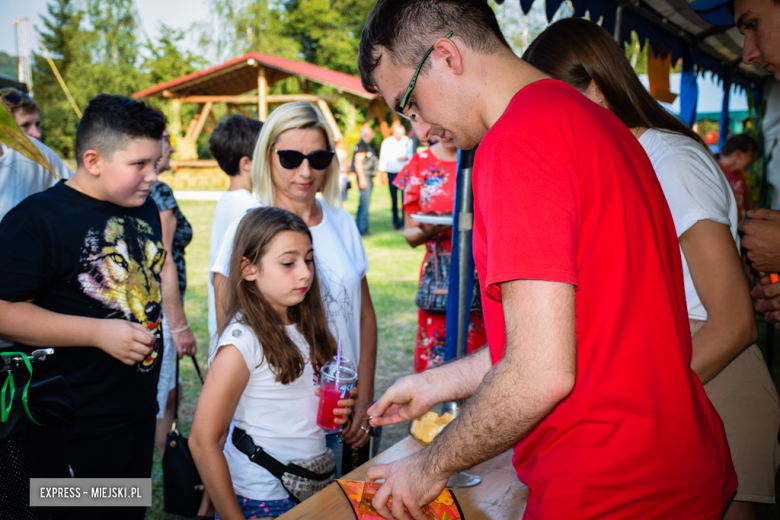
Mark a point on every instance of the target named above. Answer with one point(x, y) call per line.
point(241, 74)
point(228, 82)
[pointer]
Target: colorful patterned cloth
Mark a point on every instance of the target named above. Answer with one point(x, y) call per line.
point(262, 508)
point(429, 188)
point(361, 495)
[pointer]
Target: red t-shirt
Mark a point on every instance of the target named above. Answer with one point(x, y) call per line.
point(564, 193)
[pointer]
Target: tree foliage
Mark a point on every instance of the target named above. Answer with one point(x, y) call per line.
point(237, 27)
point(96, 46)
point(68, 45)
point(327, 31)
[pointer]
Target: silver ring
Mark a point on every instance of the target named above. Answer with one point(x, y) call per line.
point(365, 429)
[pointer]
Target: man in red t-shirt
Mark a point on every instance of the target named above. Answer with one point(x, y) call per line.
point(588, 372)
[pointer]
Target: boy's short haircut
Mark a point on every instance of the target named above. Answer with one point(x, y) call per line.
point(109, 122)
point(233, 138)
point(742, 142)
point(18, 101)
point(406, 29)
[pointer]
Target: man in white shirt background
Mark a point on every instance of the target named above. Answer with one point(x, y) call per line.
point(393, 156)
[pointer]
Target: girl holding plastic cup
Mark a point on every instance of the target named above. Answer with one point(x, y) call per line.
point(265, 370)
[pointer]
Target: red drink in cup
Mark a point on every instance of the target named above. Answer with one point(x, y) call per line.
point(337, 381)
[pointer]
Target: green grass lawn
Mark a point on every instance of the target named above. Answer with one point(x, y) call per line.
point(392, 277)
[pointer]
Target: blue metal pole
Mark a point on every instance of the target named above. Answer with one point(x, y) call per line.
point(689, 91)
point(462, 265)
point(724, 111)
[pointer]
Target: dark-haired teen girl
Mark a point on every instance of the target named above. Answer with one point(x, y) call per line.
point(264, 369)
point(704, 210)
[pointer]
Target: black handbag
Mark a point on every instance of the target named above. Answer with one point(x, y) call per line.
point(182, 485)
point(435, 282)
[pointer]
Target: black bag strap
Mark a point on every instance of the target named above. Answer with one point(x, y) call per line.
point(259, 456)
point(176, 389)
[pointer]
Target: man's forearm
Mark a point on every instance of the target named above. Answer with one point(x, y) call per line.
point(502, 411)
point(461, 378)
point(27, 323)
point(537, 372)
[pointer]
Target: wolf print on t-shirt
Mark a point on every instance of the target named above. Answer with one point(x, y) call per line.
point(120, 267)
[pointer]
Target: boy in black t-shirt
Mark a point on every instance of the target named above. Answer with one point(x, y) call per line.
point(81, 272)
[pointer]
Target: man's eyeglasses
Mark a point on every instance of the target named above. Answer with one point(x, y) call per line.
point(291, 159)
point(15, 99)
point(405, 99)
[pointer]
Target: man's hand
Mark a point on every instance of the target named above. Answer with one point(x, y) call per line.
point(126, 341)
point(767, 296)
point(185, 342)
point(362, 182)
point(410, 482)
point(409, 398)
point(761, 237)
point(353, 434)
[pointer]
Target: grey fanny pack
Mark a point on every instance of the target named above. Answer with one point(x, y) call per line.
point(300, 478)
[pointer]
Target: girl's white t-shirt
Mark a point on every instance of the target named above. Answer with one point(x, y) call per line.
point(695, 189)
point(280, 418)
point(341, 266)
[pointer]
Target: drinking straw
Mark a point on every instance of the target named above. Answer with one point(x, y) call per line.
point(338, 361)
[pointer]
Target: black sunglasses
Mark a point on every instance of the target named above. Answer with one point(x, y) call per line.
point(291, 159)
point(13, 99)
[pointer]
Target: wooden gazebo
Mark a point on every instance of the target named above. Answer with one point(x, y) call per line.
point(229, 82)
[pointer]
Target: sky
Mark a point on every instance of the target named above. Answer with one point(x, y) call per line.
point(179, 14)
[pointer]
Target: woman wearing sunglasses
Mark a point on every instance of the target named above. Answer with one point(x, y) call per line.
point(292, 162)
point(704, 211)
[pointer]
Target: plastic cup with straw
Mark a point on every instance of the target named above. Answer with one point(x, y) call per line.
point(338, 378)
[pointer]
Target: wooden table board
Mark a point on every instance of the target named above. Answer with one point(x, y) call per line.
point(500, 496)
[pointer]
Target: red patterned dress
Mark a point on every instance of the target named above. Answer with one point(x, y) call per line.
point(428, 185)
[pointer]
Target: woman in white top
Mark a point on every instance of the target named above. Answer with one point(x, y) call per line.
point(289, 167)
point(704, 211)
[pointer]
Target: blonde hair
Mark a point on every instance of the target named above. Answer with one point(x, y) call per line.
point(291, 116)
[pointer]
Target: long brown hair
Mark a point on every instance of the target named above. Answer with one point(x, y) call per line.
point(576, 51)
point(253, 237)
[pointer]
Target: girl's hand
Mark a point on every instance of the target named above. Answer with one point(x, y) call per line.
point(345, 406)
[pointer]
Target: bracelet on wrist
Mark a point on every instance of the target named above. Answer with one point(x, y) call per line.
point(180, 330)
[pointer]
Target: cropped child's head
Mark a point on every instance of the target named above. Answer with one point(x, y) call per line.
point(233, 140)
point(24, 109)
point(273, 283)
point(118, 146)
point(739, 151)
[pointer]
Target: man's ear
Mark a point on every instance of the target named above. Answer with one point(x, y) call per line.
point(93, 162)
point(245, 164)
point(445, 48)
point(249, 271)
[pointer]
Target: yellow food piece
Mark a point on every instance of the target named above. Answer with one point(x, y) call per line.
point(427, 427)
